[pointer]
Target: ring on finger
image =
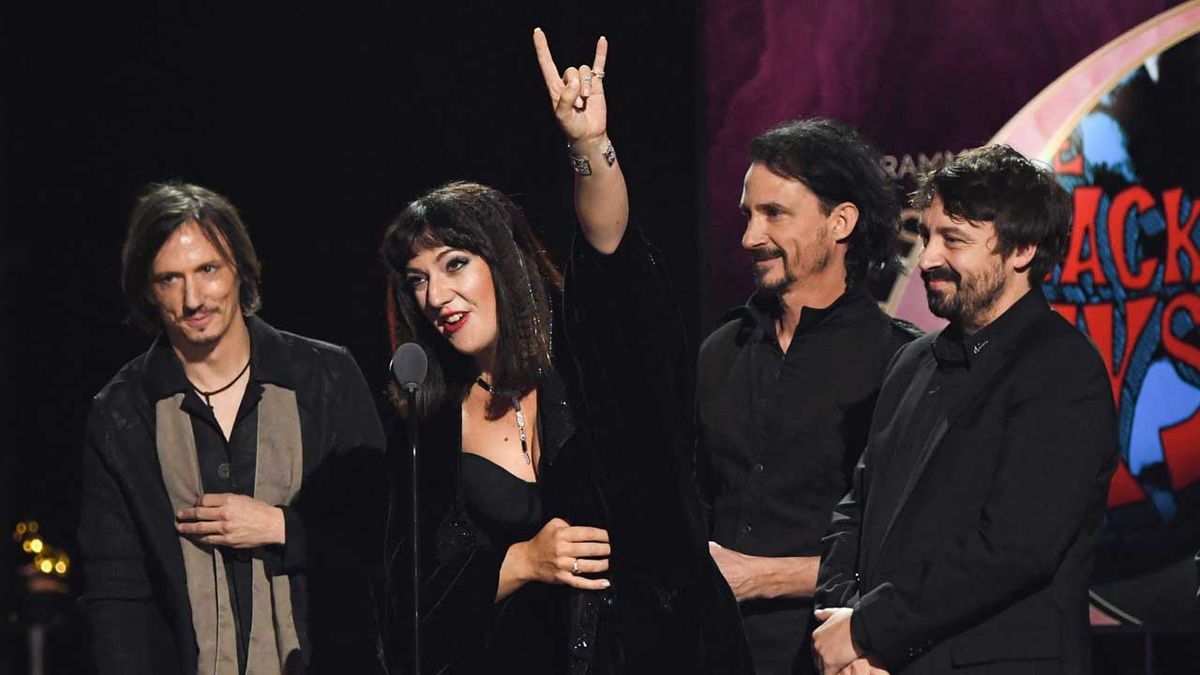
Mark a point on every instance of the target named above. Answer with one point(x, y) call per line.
point(575, 568)
point(598, 74)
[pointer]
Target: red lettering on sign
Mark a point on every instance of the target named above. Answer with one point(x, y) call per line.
point(1099, 320)
point(1069, 312)
point(1179, 237)
point(1119, 211)
point(1123, 489)
point(1087, 204)
point(1174, 346)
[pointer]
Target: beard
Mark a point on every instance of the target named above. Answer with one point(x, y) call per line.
point(761, 281)
point(971, 298)
point(809, 265)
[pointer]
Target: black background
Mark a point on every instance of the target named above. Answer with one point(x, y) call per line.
point(319, 122)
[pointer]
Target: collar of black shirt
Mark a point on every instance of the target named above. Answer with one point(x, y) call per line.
point(761, 309)
point(268, 362)
point(952, 348)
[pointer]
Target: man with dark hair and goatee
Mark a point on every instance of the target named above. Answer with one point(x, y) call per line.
point(966, 542)
point(786, 386)
point(233, 496)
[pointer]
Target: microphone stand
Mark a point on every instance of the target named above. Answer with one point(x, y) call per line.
point(413, 441)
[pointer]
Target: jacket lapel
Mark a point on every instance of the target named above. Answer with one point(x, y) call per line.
point(941, 426)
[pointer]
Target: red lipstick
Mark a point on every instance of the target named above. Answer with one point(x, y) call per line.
point(452, 328)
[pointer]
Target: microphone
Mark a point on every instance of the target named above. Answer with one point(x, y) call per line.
point(409, 366)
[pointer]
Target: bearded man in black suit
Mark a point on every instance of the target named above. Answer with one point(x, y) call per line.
point(965, 544)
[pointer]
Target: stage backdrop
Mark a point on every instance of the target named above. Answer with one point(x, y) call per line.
point(925, 80)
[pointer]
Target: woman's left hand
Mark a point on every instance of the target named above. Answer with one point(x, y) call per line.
point(577, 95)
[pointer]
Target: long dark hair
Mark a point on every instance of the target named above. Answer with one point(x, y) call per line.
point(164, 208)
point(482, 220)
point(839, 165)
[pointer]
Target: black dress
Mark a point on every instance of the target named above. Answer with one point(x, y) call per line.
point(614, 442)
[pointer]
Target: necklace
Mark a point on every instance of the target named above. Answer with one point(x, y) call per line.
point(209, 394)
point(516, 402)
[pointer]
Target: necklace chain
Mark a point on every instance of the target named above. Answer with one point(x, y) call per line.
point(209, 394)
point(516, 403)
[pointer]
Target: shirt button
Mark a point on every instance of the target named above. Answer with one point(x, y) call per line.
point(758, 468)
point(223, 470)
point(746, 528)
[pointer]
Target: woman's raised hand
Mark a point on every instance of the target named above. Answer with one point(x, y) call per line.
point(562, 553)
point(577, 94)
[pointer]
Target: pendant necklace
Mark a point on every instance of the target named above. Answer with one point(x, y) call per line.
point(516, 402)
point(209, 394)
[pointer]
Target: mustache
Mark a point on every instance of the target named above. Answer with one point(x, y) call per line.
point(940, 274)
point(199, 310)
point(765, 253)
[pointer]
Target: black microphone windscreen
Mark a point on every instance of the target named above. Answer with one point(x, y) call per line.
point(409, 365)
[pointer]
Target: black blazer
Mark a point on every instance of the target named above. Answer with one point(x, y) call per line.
point(984, 559)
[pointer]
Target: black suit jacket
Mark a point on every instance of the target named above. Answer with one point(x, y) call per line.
point(983, 560)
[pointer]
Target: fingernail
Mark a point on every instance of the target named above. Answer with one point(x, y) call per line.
point(606, 583)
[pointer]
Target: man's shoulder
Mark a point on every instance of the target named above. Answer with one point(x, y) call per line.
point(902, 332)
point(302, 346)
point(724, 336)
point(125, 387)
point(1053, 347)
point(868, 317)
point(910, 351)
point(305, 363)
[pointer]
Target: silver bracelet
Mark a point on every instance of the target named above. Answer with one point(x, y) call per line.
point(583, 167)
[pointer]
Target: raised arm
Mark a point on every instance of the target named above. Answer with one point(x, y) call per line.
point(577, 97)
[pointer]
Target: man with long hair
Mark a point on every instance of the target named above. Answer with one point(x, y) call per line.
point(787, 383)
point(232, 501)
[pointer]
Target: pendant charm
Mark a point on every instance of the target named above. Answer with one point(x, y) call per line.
point(521, 429)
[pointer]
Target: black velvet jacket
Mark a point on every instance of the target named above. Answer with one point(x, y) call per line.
point(614, 440)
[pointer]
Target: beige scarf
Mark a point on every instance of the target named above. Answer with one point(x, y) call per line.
point(274, 648)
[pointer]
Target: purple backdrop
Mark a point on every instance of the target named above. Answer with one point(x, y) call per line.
point(919, 78)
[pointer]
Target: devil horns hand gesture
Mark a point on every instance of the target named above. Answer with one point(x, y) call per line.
point(577, 95)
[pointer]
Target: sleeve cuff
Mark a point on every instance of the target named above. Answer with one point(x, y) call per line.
point(858, 632)
point(290, 555)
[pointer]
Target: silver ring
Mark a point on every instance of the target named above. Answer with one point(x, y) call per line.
point(599, 74)
point(575, 568)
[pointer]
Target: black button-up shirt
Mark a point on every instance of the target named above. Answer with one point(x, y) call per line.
point(780, 434)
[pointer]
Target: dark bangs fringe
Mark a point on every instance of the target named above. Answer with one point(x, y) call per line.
point(483, 221)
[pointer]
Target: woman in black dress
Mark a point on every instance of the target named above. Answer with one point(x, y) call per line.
point(560, 530)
